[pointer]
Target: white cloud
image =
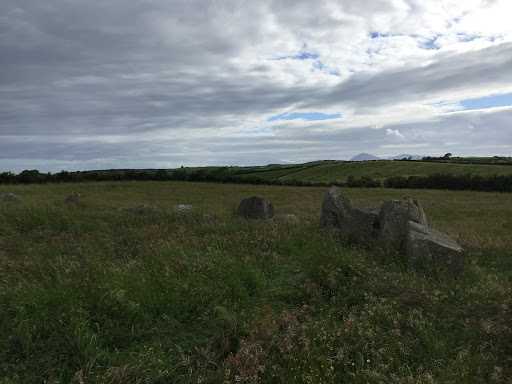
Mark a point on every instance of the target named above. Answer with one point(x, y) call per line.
point(394, 133)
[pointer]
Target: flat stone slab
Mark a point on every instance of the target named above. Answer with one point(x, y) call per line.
point(12, 197)
point(256, 207)
point(424, 245)
point(289, 218)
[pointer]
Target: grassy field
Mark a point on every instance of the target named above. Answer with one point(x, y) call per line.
point(92, 295)
point(382, 169)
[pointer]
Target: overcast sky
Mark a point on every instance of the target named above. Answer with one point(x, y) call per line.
point(162, 83)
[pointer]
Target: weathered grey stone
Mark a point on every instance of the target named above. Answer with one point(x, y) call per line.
point(183, 208)
point(290, 219)
point(75, 197)
point(393, 218)
point(425, 245)
point(209, 220)
point(365, 223)
point(256, 207)
point(137, 209)
point(336, 211)
point(12, 197)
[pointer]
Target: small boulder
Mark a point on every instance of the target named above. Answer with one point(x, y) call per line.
point(138, 209)
point(256, 207)
point(336, 211)
point(290, 219)
point(75, 197)
point(424, 245)
point(182, 208)
point(393, 218)
point(12, 197)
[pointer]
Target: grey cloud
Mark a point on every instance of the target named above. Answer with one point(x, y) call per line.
point(158, 72)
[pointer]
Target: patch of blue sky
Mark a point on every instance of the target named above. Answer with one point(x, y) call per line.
point(308, 116)
point(258, 130)
point(429, 44)
point(492, 101)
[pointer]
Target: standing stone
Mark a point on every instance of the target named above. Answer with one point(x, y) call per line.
point(75, 197)
point(256, 207)
point(12, 197)
point(424, 245)
point(393, 218)
point(336, 211)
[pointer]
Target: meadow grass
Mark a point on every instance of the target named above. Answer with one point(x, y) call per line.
point(92, 295)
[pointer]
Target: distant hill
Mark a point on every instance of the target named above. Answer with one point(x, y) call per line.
point(405, 156)
point(364, 157)
point(368, 157)
point(380, 170)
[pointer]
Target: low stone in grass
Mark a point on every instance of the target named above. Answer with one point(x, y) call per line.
point(289, 218)
point(209, 220)
point(12, 197)
point(183, 208)
point(137, 209)
point(427, 246)
point(256, 207)
point(75, 197)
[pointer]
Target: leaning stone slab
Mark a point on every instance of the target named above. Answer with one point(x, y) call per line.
point(365, 223)
point(183, 208)
point(256, 207)
point(336, 211)
point(75, 197)
point(424, 245)
point(289, 218)
point(12, 197)
point(393, 218)
point(137, 209)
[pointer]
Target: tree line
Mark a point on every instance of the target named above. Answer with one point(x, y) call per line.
point(500, 183)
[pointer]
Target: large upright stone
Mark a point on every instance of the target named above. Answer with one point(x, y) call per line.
point(424, 245)
point(393, 218)
point(12, 197)
point(336, 211)
point(256, 207)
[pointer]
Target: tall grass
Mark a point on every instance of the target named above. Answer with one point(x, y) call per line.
point(89, 294)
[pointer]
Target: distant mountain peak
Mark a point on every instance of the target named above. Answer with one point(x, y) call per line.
point(368, 157)
point(364, 157)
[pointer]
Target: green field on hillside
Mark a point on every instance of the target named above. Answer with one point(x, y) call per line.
point(89, 294)
point(384, 168)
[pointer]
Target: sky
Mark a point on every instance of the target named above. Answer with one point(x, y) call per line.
point(163, 83)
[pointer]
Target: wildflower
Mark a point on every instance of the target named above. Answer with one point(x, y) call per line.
point(353, 364)
point(368, 360)
point(331, 367)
